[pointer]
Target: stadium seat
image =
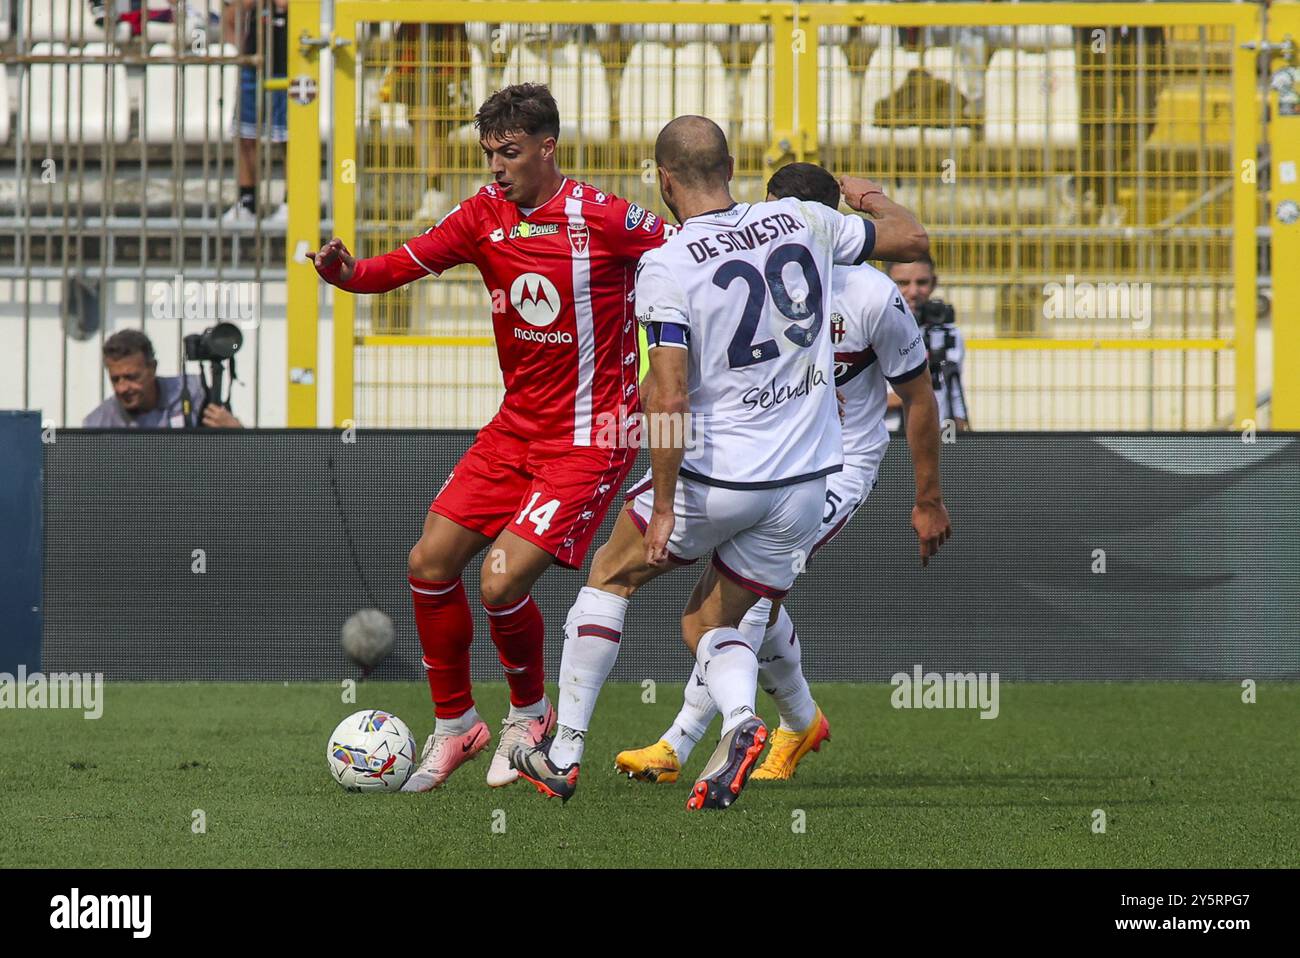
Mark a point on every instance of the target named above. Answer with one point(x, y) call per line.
point(678, 33)
point(576, 76)
point(4, 20)
point(478, 88)
point(66, 104)
point(4, 105)
point(835, 106)
point(63, 21)
point(479, 32)
point(208, 99)
point(1032, 100)
point(887, 72)
point(660, 83)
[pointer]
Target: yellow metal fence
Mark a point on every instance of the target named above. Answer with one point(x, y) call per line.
point(1085, 173)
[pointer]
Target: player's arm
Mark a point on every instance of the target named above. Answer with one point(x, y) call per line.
point(900, 350)
point(666, 404)
point(429, 254)
point(899, 236)
point(921, 413)
point(661, 310)
point(634, 230)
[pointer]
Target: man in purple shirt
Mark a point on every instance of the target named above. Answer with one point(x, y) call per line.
point(144, 400)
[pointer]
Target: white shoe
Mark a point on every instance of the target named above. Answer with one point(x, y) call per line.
point(521, 731)
point(279, 219)
point(445, 753)
point(238, 215)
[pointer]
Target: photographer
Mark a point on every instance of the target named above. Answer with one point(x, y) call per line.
point(943, 340)
point(144, 400)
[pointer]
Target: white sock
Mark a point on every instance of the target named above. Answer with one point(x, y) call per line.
point(694, 718)
point(457, 726)
point(591, 636)
point(534, 711)
point(730, 668)
point(780, 674)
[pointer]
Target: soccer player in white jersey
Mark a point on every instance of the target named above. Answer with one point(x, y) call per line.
point(741, 368)
point(876, 340)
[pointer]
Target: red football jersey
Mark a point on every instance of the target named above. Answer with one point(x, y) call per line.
point(561, 281)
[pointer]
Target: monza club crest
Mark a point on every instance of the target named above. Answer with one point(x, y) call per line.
point(578, 237)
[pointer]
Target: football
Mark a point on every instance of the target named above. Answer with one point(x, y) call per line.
point(371, 751)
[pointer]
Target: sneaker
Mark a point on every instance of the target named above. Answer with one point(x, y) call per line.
point(279, 219)
point(729, 766)
point(238, 215)
point(789, 748)
point(654, 763)
point(445, 753)
point(522, 731)
point(533, 763)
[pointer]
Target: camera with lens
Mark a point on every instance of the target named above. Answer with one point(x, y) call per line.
point(938, 324)
point(215, 346)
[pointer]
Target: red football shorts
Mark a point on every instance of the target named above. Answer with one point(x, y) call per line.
point(555, 495)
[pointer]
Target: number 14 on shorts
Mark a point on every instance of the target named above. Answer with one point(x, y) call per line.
point(541, 516)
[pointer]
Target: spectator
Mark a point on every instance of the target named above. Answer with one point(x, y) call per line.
point(944, 342)
point(144, 400)
point(251, 18)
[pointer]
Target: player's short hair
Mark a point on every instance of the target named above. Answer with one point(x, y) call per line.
point(526, 108)
point(923, 258)
point(128, 342)
point(694, 150)
point(805, 181)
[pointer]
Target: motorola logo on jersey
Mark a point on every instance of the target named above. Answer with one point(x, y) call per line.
point(535, 298)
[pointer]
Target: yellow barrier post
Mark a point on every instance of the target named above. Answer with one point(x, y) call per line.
point(1284, 215)
point(345, 185)
point(302, 168)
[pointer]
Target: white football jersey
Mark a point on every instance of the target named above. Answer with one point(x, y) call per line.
point(751, 287)
point(876, 339)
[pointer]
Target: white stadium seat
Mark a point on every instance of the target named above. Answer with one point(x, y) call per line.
point(478, 89)
point(4, 20)
point(207, 98)
point(66, 104)
point(59, 20)
point(4, 105)
point(835, 106)
point(576, 77)
point(1032, 99)
point(660, 83)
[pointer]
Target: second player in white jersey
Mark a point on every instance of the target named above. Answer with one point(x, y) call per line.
point(748, 288)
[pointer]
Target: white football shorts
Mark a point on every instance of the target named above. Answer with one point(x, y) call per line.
point(760, 538)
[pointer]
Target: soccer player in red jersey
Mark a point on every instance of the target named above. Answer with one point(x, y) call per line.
point(559, 259)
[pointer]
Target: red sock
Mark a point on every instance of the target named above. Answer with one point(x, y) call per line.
point(446, 629)
point(518, 633)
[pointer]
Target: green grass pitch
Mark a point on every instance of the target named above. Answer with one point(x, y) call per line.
point(1187, 775)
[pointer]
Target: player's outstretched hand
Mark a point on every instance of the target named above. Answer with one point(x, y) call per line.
point(334, 263)
point(854, 188)
point(930, 520)
point(657, 534)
